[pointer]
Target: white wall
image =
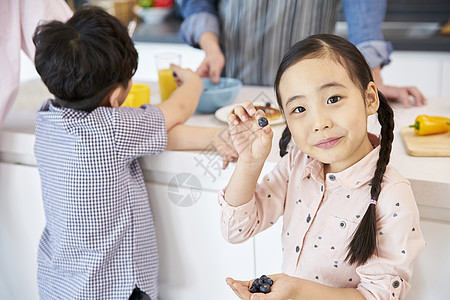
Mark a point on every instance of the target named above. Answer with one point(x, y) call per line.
point(190, 58)
point(429, 71)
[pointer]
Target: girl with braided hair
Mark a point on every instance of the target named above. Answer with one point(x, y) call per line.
point(350, 221)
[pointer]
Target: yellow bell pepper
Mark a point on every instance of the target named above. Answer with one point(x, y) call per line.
point(426, 125)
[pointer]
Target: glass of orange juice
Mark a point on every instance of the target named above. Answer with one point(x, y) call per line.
point(139, 94)
point(167, 82)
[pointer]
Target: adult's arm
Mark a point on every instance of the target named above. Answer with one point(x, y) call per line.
point(364, 19)
point(200, 16)
point(18, 21)
point(201, 29)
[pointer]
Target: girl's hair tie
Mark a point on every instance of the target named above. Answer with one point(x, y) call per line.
point(373, 201)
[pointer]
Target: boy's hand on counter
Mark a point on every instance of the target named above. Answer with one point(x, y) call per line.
point(224, 146)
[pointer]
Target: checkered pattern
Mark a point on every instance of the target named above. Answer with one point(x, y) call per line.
point(99, 240)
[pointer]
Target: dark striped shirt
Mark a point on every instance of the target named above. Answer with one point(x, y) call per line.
point(255, 34)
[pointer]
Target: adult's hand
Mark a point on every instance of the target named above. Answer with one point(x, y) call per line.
point(404, 94)
point(214, 61)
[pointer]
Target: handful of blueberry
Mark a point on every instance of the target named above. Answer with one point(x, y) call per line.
point(261, 285)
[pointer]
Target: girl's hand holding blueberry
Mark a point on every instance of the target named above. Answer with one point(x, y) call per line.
point(250, 133)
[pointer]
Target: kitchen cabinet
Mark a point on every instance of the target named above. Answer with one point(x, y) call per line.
point(194, 258)
point(426, 70)
point(432, 265)
point(21, 223)
point(446, 78)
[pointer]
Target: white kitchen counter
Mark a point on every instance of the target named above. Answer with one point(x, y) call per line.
point(429, 176)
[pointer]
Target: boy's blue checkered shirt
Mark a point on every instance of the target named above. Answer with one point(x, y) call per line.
point(99, 239)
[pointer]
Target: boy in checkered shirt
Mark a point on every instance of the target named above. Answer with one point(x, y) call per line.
point(99, 240)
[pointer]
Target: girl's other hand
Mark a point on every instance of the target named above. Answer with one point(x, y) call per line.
point(283, 287)
point(252, 143)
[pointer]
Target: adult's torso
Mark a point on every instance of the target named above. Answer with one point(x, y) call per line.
point(255, 34)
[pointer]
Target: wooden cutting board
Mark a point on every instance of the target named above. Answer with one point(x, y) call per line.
point(428, 145)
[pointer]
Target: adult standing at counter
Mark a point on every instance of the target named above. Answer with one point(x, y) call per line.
point(254, 36)
point(18, 20)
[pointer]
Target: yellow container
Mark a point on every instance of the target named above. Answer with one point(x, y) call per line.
point(139, 94)
point(167, 83)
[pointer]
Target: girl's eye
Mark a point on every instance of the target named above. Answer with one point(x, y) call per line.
point(299, 109)
point(333, 99)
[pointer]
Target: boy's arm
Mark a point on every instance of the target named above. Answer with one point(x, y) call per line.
point(183, 137)
point(184, 100)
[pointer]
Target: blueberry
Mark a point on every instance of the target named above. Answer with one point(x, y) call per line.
point(262, 122)
point(258, 282)
point(254, 289)
point(261, 284)
point(266, 279)
point(265, 288)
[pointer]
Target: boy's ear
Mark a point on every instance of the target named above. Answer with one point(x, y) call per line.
point(115, 96)
point(372, 100)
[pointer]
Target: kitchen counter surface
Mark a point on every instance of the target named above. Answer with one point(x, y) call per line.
point(429, 176)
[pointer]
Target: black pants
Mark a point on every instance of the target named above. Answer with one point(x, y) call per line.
point(137, 294)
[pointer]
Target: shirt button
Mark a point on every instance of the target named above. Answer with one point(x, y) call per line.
point(332, 177)
point(342, 224)
point(396, 284)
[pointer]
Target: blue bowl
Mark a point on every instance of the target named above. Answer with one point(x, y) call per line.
point(215, 96)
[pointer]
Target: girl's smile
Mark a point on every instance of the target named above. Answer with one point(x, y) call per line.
point(328, 143)
point(327, 112)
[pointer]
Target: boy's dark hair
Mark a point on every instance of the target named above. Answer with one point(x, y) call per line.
point(363, 244)
point(82, 60)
